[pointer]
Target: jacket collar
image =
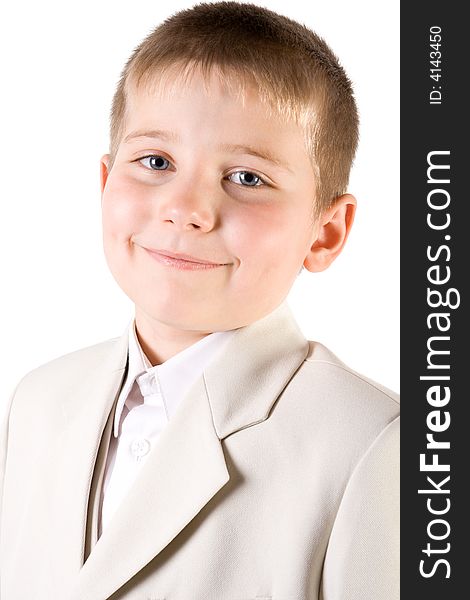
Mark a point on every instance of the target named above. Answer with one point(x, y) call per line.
point(187, 467)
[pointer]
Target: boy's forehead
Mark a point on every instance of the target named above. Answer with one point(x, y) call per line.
point(171, 99)
point(171, 84)
point(216, 95)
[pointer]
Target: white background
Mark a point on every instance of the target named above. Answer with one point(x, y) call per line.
point(60, 64)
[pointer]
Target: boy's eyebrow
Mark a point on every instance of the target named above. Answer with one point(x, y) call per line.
point(170, 136)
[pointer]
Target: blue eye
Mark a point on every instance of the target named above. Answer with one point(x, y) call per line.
point(155, 161)
point(251, 179)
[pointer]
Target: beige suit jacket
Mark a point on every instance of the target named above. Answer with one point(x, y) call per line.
point(277, 478)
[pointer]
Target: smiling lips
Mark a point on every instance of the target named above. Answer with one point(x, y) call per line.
point(181, 261)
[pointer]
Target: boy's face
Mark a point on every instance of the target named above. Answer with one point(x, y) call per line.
point(203, 194)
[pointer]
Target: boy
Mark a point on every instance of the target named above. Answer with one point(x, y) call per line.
point(210, 452)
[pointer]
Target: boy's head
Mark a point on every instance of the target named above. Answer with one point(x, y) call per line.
point(233, 131)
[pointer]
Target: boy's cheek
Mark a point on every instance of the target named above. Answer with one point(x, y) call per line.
point(123, 213)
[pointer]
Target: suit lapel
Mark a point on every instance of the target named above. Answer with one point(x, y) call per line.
point(186, 467)
point(85, 412)
point(245, 381)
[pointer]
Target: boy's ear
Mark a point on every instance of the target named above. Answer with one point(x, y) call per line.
point(332, 229)
point(104, 162)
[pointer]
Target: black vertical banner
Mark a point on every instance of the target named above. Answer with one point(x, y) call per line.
point(435, 254)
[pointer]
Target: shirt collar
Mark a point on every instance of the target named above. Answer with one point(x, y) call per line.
point(175, 375)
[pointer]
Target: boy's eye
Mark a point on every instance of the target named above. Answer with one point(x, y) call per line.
point(158, 163)
point(251, 179)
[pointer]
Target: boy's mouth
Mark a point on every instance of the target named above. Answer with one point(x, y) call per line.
point(182, 261)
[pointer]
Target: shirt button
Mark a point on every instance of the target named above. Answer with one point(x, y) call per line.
point(140, 447)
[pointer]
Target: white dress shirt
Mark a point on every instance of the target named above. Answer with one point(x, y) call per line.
point(148, 399)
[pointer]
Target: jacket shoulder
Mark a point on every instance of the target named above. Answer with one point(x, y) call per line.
point(327, 380)
point(318, 355)
point(341, 409)
point(70, 367)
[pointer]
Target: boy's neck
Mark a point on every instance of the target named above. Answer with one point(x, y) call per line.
point(160, 341)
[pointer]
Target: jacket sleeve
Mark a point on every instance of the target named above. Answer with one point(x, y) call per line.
point(362, 561)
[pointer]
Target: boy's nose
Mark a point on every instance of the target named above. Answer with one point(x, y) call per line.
point(188, 207)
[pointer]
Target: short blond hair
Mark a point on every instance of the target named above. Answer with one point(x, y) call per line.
point(296, 74)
